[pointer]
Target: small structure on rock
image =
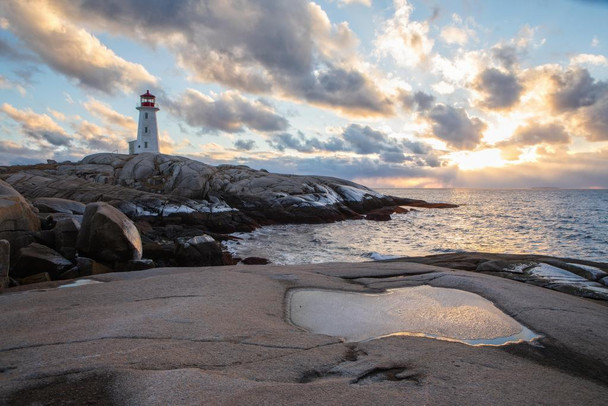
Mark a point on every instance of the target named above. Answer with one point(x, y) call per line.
point(147, 129)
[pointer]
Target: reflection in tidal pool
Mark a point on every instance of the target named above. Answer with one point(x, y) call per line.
point(441, 313)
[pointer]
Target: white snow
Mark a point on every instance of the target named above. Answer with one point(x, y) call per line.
point(596, 272)
point(555, 274)
point(379, 257)
point(79, 282)
point(441, 313)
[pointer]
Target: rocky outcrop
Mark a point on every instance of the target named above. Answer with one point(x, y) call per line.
point(17, 218)
point(156, 184)
point(107, 235)
point(574, 276)
point(57, 205)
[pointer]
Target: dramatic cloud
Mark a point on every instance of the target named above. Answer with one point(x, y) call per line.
point(289, 48)
point(361, 140)
point(595, 120)
point(71, 50)
point(534, 134)
point(501, 90)
point(405, 41)
point(420, 101)
point(507, 55)
point(455, 127)
point(229, 112)
point(39, 127)
point(108, 115)
point(576, 88)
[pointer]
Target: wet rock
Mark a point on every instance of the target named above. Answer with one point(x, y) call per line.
point(57, 205)
point(38, 258)
point(201, 250)
point(255, 261)
point(604, 281)
point(107, 235)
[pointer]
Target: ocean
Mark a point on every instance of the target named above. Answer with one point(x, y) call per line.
point(562, 223)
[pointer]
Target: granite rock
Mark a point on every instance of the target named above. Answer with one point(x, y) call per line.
point(107, 235)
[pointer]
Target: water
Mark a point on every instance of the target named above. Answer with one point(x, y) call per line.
point(422, 311)
point(563, 223)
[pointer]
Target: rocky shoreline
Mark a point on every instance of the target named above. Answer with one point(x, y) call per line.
point(221, 335)
point(112, 212)
point(78, 329)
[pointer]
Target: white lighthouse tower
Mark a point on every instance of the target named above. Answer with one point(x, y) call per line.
point(147, 130)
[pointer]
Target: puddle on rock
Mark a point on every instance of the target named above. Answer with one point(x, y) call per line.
point(79, 282)
point(440, 313)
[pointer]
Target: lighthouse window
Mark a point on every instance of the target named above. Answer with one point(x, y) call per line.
point(145, 129)
point(146, 115)
point(145, 145)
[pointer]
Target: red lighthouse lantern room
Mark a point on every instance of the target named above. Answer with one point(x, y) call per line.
point(147, 99)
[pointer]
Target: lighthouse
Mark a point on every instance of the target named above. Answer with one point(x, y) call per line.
point(147, 130)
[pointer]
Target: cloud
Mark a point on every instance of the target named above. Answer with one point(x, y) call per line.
point(457, 32)
point(361, 140)
point(229, 112)
point(367, 3)
point(507, 55)
point(455, 127)
point(501, 90)
point(245, 145)
point(533, 134)
point(38, 127)
point(405, 41)
point(419, 100)
point(6, 83)
point(70, 50)
point(94, 138)
point(9, 52)
point(576, 88)
point(108, 115)
point(595, 120)
point(589, 59)
point(287, 48)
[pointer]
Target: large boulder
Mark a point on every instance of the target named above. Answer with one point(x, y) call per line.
point(201, 250)
point(37, 258)
point(17, 218)
point(107, 235)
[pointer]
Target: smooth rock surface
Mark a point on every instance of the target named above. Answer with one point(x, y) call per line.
point(17, 219)
point(193, 336)
point(107, 235)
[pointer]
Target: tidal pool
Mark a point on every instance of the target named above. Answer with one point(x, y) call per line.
point(426, 311)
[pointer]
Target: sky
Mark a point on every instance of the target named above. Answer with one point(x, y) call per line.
point(462, 93)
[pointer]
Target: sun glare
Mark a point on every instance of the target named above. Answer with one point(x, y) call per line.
point(473, 160)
